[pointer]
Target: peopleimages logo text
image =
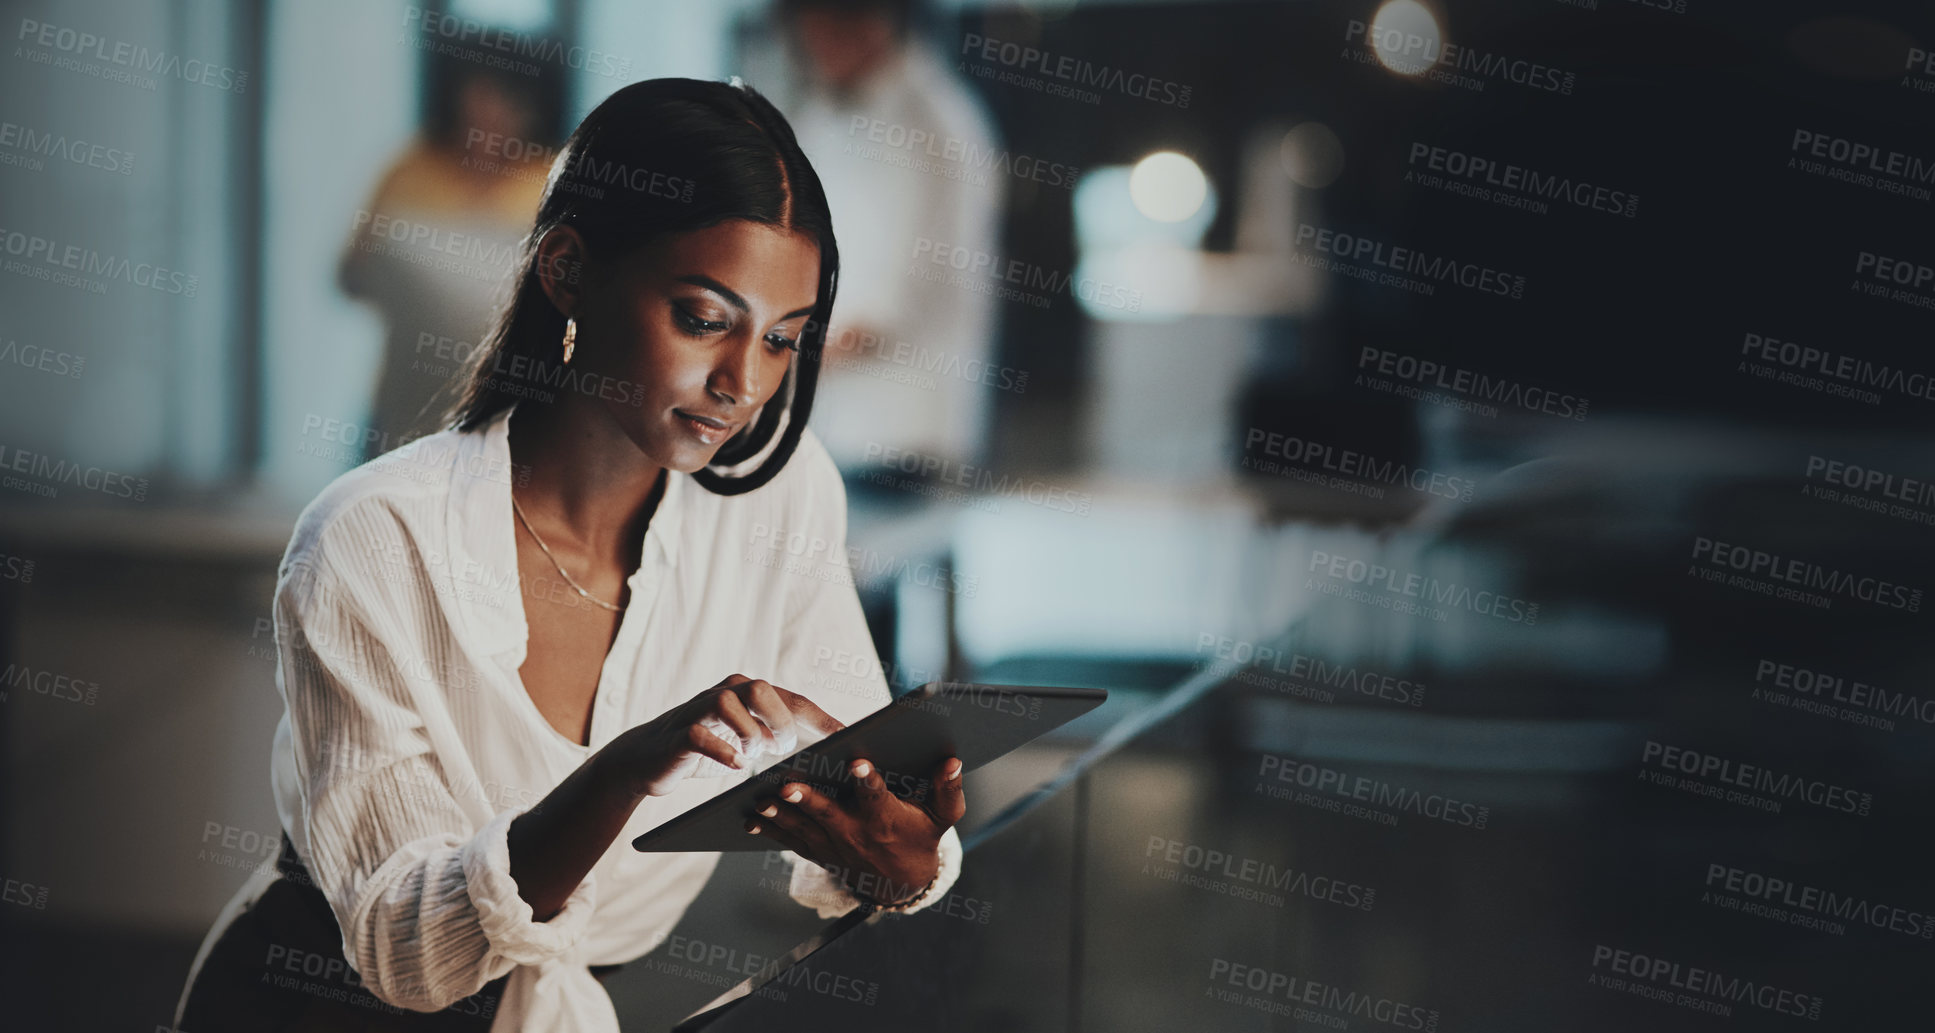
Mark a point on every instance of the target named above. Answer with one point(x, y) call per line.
point(1313, 670)
point(1236, 868)
point(1774, 891)
point(1424, 587)
point(470, 32)
point(944, 471)
point(1805, 574)
point(977, 267)
point(1470, 383)
point(1076, 70)
point(1351, 463)
point(1409, 261)
point(48, 472)
point(1914, 490)
point(1863, 156)
point(1308, 1000)
point(1849, 699)
point(1505, 175)
point(1429, 52)
point(1321, 778)
point(1755, 778)
point(1705, 982)
point(136, 58)
point(1846, 369)
point(1900, 271)
point(29, 141)
point(86, 261)
point(962, 152)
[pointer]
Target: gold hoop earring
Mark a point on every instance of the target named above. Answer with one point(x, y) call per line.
point(570, 339)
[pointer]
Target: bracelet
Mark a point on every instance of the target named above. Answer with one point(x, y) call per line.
point(949, 869)
point(909, 903)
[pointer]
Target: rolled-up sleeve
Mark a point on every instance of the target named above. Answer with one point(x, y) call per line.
point(827, 654)
point(816, 887)
point(504, 915)
point(424, 899)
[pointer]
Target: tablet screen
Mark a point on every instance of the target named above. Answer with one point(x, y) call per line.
point(906, 740)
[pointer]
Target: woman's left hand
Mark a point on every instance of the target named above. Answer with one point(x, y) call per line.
point(882, 848)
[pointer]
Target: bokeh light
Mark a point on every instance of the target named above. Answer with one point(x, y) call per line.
point(1405, 36)
point(1168, 187)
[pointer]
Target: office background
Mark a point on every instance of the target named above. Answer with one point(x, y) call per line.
point(1483, 446)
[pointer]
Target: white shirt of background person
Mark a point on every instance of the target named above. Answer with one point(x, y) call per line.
point(929, 395)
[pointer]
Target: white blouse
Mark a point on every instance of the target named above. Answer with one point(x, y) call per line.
point(409, 742)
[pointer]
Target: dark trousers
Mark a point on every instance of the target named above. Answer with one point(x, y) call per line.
point(279, 968)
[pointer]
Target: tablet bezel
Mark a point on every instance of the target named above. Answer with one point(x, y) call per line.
point(920, 726)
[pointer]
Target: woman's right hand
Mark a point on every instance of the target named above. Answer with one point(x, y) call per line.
point(731, 722)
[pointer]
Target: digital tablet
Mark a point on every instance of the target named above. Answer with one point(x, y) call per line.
point(906, 740)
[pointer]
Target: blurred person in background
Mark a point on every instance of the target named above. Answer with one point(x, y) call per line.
point(494, 681)
point(435, 247)
point(901, 144)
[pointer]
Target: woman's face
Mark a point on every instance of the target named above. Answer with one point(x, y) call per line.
point(698, 330)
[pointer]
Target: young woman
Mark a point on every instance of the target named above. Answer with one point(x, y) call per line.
point(602, 594)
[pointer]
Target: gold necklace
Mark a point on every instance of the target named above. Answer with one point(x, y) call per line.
point(554, 560)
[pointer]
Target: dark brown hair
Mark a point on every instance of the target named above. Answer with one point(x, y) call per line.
point(656, 158)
